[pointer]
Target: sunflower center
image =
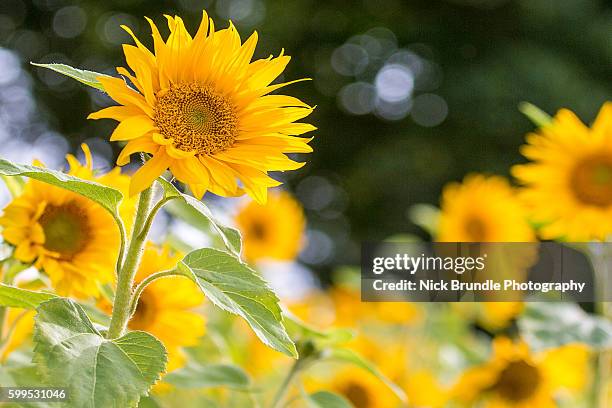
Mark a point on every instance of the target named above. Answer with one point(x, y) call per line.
point(144, 314)
point(591, 180)
point(66, 228)
point(258, 231)
point(358, 395)
point(196, 117)
point(475, 229)
point(518, 381)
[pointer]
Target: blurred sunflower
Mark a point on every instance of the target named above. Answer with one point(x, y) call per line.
point(495, 316)
point(568, 184)
point(202, 109)
point(165, 306)
point(274, 230)
point(514, 377)
point(424, 390)
point(257, 358)
point(361, 388)
point(18, 328)
point(492, 316)
point(69, 237)
point(482, 209)
point(350, 310)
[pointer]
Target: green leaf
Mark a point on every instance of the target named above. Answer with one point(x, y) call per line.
point(213, 375)
point(107, 197)
point(349, 356)
point(24, 375)
point(12, 296)
point(88, 78)
point(196, 213)
point(236, 288)
point(326, 399)
point(547, 325)
point(98, 372)
point(148, 402)
point(301, 330)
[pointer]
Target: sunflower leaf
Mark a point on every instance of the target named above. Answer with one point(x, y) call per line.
point(301, 330)
point(12, 296)
point(547, 325)
point(97, 372)
point(196, 213)
point(349, 356)
point(236, 288)
point(108, 197)
point(326, 399)
point(212, 375)
point(23, 374)
point(89, 78)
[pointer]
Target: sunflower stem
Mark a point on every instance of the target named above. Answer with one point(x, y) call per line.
point(286, 384)
point(145, 282)
point(152, 213)
point(125, 279)
point(601, 261)
point(603, 367)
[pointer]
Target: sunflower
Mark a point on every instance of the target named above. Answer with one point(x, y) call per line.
point(515, 377)
point(69, 237)
point(359, 387)
point(274, 230)
point(568, 184)
point(482, 209)
point(350, 310)
point(18, 328)
point(165, 306)
point(203, 109)
point(495, 316)
point(424, 390)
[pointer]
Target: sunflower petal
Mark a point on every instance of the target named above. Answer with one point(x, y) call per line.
point(133, 128)
point(151, 170)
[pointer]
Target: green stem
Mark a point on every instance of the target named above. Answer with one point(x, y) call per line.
point(122, 235)
point(600, 260)
point(151, 217)
point(145, 282)
point(284, 388)
point(603, 367)
point(125, 278)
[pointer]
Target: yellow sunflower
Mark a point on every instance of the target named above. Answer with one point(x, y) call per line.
point(568, 184)
point(274, 230)
point(165, 306)
point(515, 377)
point(482, 209)
point(359, 387)
point(69, 237)
point(351, 311)
point(18, 327)
point(424, 390)
point(203, 109)
point(495, 316)
point(492, 316)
